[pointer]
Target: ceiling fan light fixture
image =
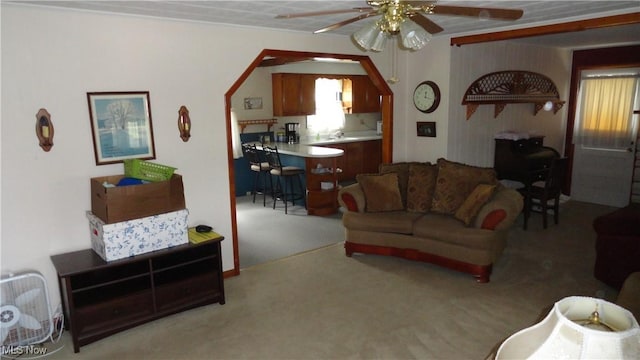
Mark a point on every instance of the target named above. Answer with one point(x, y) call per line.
point(413, 37)
point(407, 19)
point(366, 36)
point(380, 41)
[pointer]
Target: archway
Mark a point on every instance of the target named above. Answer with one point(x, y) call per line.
point(285, 55)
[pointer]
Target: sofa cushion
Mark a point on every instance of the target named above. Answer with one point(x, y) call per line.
point(472, 204)
point(420, 187)
point(446, 228)
point(402, 169)
point(381, 192)
point(455, 182)
point(400, 222)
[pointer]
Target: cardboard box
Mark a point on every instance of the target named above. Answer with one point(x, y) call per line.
point(122, 203)
point(134, 237)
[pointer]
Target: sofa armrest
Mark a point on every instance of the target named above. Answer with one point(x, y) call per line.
point(501, 211)
point(629, 295)
point(351, 198)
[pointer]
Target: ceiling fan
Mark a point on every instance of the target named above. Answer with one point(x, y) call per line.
point(406, 18)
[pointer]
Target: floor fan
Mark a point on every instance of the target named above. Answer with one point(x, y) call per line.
point(25, 314)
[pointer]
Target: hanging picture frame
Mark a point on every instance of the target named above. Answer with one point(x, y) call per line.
point(253, 103)
point(121, 126)
point(426, 128)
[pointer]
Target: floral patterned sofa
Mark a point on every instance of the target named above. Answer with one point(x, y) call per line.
point(450, 214)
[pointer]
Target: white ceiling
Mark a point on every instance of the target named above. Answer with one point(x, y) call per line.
point(262, 14)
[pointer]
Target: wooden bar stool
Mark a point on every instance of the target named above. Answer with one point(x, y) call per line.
point(261, 170)
point(287, 175)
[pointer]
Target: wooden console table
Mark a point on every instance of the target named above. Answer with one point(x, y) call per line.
point(102, 298)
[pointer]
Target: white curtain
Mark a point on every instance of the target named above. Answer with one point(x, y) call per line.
point(329, 113)
point(605, 117)
point(236, 143)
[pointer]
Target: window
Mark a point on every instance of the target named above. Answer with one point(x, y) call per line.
point(605, 111)
point(329, 116)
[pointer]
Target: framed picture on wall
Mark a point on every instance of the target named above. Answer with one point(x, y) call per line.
point(121, 126)
point(426, 128)
point(253, 103)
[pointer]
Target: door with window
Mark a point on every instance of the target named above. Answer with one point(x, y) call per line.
point(605, 137)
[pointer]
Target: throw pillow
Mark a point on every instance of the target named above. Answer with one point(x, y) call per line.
point(402, 169)
point(455, 182)
point(381, 192)
point(472, 204)
point(420, 187)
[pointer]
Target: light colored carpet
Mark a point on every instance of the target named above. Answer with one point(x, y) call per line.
point(266, 234)
point(323, 305)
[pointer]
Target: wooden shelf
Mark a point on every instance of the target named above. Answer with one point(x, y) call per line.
point(102, 298)
point(511, 87)
point(321, 201)
point(269, 122)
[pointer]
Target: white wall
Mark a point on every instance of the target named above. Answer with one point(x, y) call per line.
point(430, 63)
point(454, 69)
point(472, 141)
point(51, 58)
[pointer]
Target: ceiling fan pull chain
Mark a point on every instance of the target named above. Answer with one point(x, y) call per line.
point(394, 62)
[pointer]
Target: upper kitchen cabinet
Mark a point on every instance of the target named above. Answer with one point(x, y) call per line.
point(366, 98)
point(293, 94)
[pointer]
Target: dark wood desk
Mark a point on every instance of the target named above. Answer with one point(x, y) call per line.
point(516, 159)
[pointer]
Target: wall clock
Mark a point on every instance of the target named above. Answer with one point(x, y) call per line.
point(426, 96)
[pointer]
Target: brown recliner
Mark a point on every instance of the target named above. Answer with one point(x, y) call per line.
point(617, 245)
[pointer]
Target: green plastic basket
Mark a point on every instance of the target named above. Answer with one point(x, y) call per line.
point(145, 170)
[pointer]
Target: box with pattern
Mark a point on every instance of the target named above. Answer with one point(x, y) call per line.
point(138, 236)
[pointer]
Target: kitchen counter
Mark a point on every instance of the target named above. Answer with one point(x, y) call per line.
point(306, 151)
point(321, 186)
point(348, 137)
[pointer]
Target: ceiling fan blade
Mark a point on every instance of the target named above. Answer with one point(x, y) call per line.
point(490, 13)
point(428, 25)
point(326, 12)
point(345, 22)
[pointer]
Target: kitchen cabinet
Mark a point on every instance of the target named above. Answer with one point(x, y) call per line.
point(102, 298)
point(372, 151)
point(293, 94)
point(366, 98)
point(360, 157)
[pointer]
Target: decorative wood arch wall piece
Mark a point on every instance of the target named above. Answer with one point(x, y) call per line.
point(44, 129)
point(512, 87)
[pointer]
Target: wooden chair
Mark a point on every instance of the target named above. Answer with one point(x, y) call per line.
point(261, 170)
point(286, 173)
point(538, 194)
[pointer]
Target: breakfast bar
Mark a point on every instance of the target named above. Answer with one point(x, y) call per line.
point(321, 171)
